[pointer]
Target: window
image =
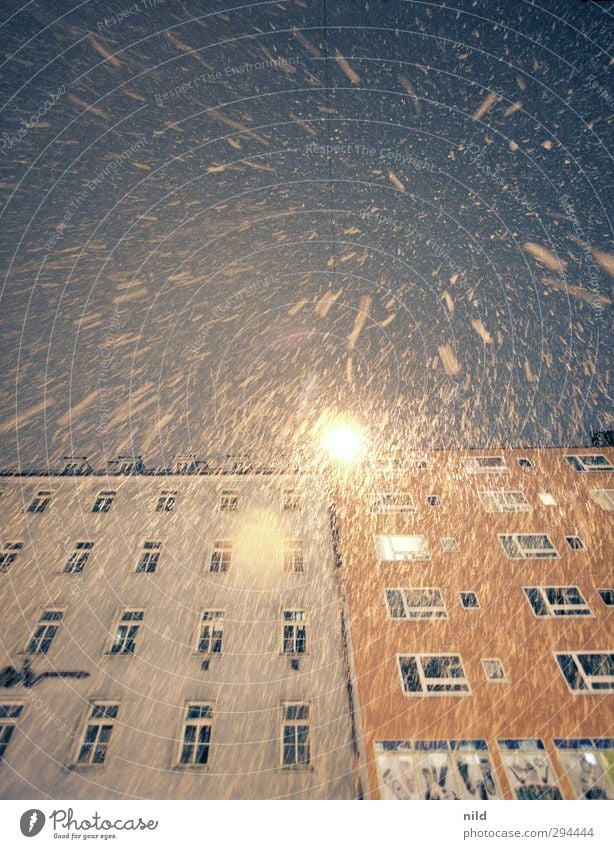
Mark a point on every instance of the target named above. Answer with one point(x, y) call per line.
point(435, 770)
point(293, 555)
point(8, 553)
point(40, 502)
point(294, 632)
point(547, 499)
point(556, 601)
point(79, 557)
point(229, 499)
point(527, 546)
point(211, 632)
point(415, 603)
point(196, 744)
point(589, 462)
point(149, 556)
point(433, 674)
point(45, 632)
point(291, 499)
point(604, 498)
point(433, 500)
point(128, 465)
point(575, 543)
point(166, 501)
point(524, 462)
point(588, 766)
point(607, 596)
point(295, 734)
point(220, 556)
point(587, 672)
point(393, 502)
point(77, 466)
point(9, 714)
point(103, 502)
point(493, 669)
point(401, 548)
point(469, 600)
point(449, 545)
point(97, 736)
point(504, 501)
point(529, 769)
point(126, 632)
point(484, 465)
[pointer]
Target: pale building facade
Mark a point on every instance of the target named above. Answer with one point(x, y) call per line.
point(205, 610)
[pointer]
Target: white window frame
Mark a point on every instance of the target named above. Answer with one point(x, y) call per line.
point(503, 679)
point(9, 722)
point(523, 465)
point(297, 723)
point(533, 748)
point(224, 547)
point(79, 556)
point(588, 679)
point(40, 501)
point(586, 750)
point(605, 590)
point(416, 613)
point(293, 553)
point(530, 553)
point(215, 626)
point(552, 608)
point(581, 547)
point(420, 554)
point(392, 502)
point(199, 723)
point(424, 681)
point(580, 459)
point(149, 555)
point(230, 500)
point(108, 497)
point(45, 626)
point(296, 625)
point(120, 622)
point(10, 551)
point(99, 722)
point(499, 501)
point(167, 501)
point(604, 498)
point(449, 545)
point(291, 499)
point(473, 467)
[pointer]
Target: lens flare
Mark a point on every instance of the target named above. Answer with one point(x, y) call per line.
point(344, 442)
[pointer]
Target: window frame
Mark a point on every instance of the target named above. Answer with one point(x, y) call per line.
point(572, 545)
point(422, 555)
point(119, 620)
point(10, 551)
point(11, 722)
point(42, 500)
point(525, 463)
point(295, 624)
point(588, 689)
point(291, 499)
point(296, 723)
point(200, 722)
point(223, 545)
point(149, 552)
point(202, 623)
point(167, 500)
point(106, 495)
point(46, 624)
point(424, 692)
point(490, 680)
point(601, 590)
point(290, 548)
point(551, 608)
point(550, 556)
point(472, 467)
point(494, 501)
point(91, 720)
point(79, 556)
point(229, 500)
point(381, 508)
point(407, 609)
point(469, 606)
point(607, 496)
point(449, 549)
point(588, 468)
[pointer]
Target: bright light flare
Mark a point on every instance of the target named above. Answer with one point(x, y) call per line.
point(344, 442)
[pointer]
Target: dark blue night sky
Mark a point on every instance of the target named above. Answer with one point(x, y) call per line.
point(219, 223)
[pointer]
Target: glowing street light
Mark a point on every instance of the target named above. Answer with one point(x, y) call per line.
point(344, 442)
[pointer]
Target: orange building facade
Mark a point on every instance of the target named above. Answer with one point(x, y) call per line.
point(480, 591)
